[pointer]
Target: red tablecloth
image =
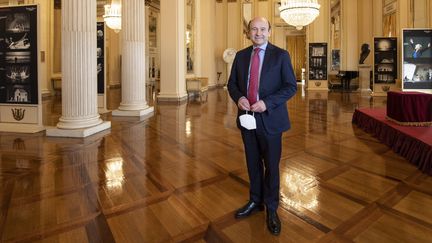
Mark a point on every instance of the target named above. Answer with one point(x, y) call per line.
point(410, 108)
point(413, 143)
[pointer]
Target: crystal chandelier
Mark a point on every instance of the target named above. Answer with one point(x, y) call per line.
point(299, 13)
point(112, 15)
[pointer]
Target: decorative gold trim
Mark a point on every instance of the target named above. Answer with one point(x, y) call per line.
point(385, 88)
point(18, 113)
point(414, 124)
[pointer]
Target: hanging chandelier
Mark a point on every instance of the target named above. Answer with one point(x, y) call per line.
point(112, 16)
point(299, 13)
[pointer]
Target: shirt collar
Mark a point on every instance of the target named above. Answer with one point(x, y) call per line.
point(262, 47)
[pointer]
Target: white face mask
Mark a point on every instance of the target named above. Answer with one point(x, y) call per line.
point(247, 121)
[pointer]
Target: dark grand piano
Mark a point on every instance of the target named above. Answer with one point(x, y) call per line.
point(346, 77)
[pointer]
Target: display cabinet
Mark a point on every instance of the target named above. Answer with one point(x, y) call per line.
point(385, 60)
point(317, 61)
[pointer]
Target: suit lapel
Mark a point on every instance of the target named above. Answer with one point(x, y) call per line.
point(245, 64)
point(266, 64)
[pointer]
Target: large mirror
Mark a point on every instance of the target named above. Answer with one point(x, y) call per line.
point(190, 18)
point(56, 65)
point(153, 71)
point(335, 35)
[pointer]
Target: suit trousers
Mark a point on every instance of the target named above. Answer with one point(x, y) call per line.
point(263, 152)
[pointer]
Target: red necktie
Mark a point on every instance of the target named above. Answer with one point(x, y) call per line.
point(253, 77)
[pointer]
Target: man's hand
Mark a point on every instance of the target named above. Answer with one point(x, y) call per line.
point(411, 40)
point(259, 106)
point(243, 104)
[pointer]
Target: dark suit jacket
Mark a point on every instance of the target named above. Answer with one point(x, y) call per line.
point(277, 85)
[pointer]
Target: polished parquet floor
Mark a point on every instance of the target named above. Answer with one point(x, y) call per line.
point(180, 174)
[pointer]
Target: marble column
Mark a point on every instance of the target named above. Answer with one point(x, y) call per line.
point(134, 71)
point(80, 116)
point(208, 36)
point(173, 51)
point(197, 38)
point(349, 46)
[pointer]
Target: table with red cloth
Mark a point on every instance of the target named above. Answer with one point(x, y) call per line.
point(409, 108)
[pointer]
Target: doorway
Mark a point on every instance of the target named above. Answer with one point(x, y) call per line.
point(296, 46)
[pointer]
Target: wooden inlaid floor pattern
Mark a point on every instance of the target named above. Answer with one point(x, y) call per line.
point(179, 175)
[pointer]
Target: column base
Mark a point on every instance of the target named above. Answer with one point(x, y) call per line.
point(78, 133)
point(143, 112)
point(172, 97)
point(20, 128)
point(103, 110)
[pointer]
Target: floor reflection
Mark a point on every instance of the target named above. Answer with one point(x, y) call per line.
point(114, 174)
point(179, 175)
point(297, 191)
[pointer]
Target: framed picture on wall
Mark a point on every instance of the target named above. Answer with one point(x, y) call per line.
point(18, 55)
point(100, 57)
point(335, 60)
point(417, 59)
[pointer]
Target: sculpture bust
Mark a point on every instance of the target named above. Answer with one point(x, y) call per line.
point(364, 53)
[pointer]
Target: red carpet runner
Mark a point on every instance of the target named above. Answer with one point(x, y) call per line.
point(413, 143)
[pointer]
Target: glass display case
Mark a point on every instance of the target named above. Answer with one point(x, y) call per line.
point(385, 60)
point(317, 61)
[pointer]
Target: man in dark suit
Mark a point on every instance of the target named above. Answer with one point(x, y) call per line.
point(261, 82)
point(418, 48)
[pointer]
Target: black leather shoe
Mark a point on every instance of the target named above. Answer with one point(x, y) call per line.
point(248, 209)
point(273, 222)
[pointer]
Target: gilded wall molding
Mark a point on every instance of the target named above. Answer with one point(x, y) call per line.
point(153, 3)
